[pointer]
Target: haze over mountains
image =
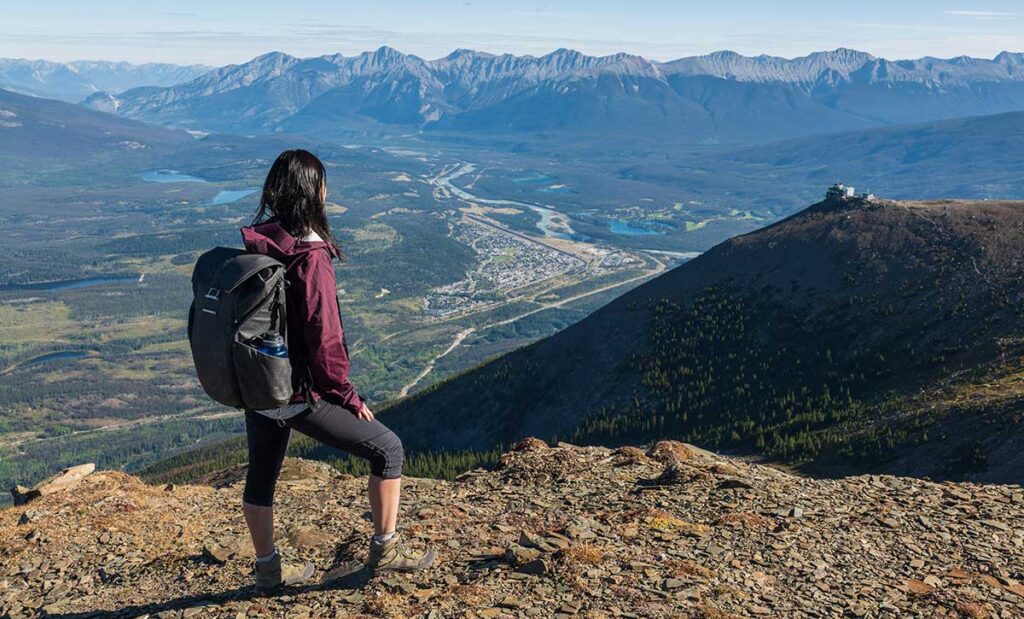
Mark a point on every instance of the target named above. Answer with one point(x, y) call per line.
point(720, 97)
point(74, 81)
point(978, 157)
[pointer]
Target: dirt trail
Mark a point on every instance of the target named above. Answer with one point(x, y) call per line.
point(461, 335)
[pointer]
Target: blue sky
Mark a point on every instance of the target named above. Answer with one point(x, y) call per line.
point(221, 32)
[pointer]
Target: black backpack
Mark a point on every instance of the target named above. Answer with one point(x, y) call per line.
point(238, 297)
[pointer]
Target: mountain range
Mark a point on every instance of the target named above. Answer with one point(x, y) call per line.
point(720, 97)
point(855, 335)
point(74, 81)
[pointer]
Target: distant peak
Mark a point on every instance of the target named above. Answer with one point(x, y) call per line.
point(849, 51)
point(564, 52)
point(625, 56)
point(385, 56)
point(460, 52)
point(963, 60)
point(273, 56)
point(388, 52)
point(1006, 57)
point(844, 54)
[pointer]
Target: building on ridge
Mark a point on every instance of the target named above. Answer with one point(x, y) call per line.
point(840, 191)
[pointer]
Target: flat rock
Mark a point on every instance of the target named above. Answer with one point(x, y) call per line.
point(68, 478)
point(518, 555)
point(217, 553)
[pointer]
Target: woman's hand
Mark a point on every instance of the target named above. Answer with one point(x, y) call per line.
point(365, 413)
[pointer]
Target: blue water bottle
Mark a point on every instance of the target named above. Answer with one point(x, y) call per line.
point(271, 343)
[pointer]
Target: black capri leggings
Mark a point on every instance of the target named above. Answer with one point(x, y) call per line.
point(327, 423)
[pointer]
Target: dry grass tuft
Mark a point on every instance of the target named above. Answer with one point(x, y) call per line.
point(583, 554)
point(689, 569)
point(660, 520)
point(746, 520)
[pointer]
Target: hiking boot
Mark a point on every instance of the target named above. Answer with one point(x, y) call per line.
point(393, 556)
point(273, 574)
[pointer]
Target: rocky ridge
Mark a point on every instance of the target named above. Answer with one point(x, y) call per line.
point(561, 531)
point(724, 94)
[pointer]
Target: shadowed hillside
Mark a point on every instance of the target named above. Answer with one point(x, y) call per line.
point(854, 335)
point(43, 138)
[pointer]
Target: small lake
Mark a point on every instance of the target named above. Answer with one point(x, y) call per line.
point(70, 284)
point(224, 196)
point(61, 355)
point(227, 196)
point(170, 176)
point(619, 226)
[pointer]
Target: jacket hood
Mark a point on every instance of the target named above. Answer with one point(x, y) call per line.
point(272, 240)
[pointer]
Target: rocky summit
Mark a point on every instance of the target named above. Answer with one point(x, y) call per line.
point(561, 531)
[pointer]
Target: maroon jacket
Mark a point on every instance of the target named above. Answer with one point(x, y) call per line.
point(316, 338)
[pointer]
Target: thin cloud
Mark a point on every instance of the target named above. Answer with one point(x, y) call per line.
point(984, 14)
point(219, 44)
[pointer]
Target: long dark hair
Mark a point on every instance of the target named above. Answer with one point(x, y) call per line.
point(293, 196)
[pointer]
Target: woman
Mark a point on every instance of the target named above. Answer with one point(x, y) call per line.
point(291, 226)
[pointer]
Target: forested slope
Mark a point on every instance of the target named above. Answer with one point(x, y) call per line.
point(855, 335)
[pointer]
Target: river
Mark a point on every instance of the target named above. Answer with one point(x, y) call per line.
point(62, 355)
point(547, 223)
